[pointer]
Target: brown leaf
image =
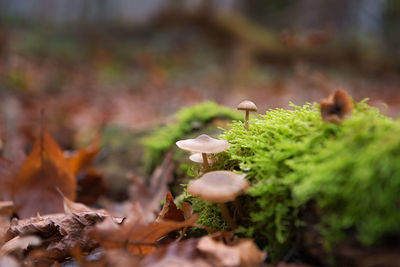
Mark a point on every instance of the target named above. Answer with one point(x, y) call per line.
point(91, 186)
point(170, 211)
point(79, 209)
point(59, 232)
point(19, 243)
point(184, 254)
point(7, 208)
point(244, 253)
point(336, 107)
point(44, 169)
point(82, 158)
point(4, 225)
point(134, 234)
point(150, 197)
point(9, 262)
point(187, 210)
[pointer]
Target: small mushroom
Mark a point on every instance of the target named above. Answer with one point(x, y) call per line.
point(336, 107)
point(198, 158)
point(204, 144)
point(219, 187)
point(247, 106)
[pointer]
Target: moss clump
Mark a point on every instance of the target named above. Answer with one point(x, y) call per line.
point(351, 170)
point(187, 120)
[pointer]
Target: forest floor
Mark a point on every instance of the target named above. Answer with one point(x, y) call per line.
point(96, 82)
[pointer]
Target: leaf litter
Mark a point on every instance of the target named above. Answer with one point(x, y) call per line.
point(51, 228)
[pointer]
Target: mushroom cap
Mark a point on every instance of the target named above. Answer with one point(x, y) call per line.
point(198, 158)
point(203, 144)
point(218, 186)
point(247, 105)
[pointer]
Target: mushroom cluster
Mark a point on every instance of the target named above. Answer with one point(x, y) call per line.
point(216, 186)
point(203, 145)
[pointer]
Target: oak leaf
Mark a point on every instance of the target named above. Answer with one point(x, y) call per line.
point(43, 170)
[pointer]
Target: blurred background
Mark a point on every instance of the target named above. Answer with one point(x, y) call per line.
point(131, 64)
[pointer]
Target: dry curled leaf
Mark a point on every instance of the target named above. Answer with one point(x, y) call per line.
point(7, 208)
point(91, 183)
point(183, 254)
point(44, 169)
point(59, 232)
point(8, 261)
point(243, 253)
point(134, 234)
point(19, 243)
point(336, 107)
point(79, 209)
point(170, 211)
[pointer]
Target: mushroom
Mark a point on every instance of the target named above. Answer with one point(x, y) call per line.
point(198, 158)
point(247, 106)
point(219, 187)
point(204, 144)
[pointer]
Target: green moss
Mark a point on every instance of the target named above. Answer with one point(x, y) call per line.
point(351, 170)
point(186, 120)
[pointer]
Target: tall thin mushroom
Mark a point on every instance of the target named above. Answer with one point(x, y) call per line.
point(247, 106)
point(204, 144)
point(219, 187)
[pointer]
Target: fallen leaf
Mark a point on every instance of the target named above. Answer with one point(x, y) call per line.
point(44, 169)
point(151, 196)
point(183, 254)
point(19, 243)
point(4, 225)
point(243, 253)
point(134, 234)
point(59, 232)
point(170, 211)
point(90, 186)
point(8, 261)
point(79, 209)
point(7, 208)
point(82, 158)
point(187, 210)
point(336, 107)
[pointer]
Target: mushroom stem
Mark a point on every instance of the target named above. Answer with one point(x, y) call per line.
point(205, 161)
point(227, 216)
point(246, 121)
point(239, 207)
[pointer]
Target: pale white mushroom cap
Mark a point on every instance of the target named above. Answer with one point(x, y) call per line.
point(218, 186)
point(198, 158)
point(203, 144)
point(247, 105)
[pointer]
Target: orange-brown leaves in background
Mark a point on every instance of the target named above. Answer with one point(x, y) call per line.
point(91, 183)
point(44, 169)
point(336, 107)
point(84, 157)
